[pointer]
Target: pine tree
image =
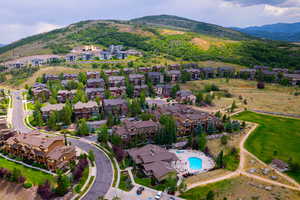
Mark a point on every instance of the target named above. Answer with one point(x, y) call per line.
point(219, 160)
point(82, 127)
point(202, 141)
point(63, 184)
point(51, 123)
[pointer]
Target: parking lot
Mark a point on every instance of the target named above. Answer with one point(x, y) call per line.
point(147, 194)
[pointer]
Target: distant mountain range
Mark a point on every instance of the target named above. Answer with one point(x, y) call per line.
point(280, 31)
point(1, 45)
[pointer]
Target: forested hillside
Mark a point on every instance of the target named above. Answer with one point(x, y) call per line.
point(172, 37)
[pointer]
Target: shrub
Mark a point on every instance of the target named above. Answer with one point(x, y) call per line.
point(27, 185)
point(45, 190)
point(260, 85)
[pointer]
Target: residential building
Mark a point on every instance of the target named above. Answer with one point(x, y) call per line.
point(115, 106)
point(86, 110)
point(208, 72)
point(155, 77)
point(116, 81)
point(117, 91)
point(294, 79)
point(280, 70)
point(174, 75)
point(51, 77)
point(92, 93)
point(93, 75)
point(5, 134)
point(40, 92)
point(163, 90)
point(36, 60)
point(49, 108)
point(139, 88)
point(70, 76)
point(95, 83)
point(261, 68)
point(195, 73)
point(226, 72)
point(248, 74)
point(48, 151)
point(93, 125)
point(186, 97)
point(137, 79)
point(129, 130)
point(174, 67)
point(279, 165)
point(154, 161)
point(144, 69)
point(187, 118)
point(66, 82)
point(72, 57)
point(64, 95)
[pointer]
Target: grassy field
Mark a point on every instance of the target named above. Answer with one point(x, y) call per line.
point(276, 137)
point(273, 98)
point(33, 176)
point(240, 188)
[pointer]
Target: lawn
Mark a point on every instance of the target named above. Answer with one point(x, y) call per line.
point(276, 137)
point(199, 193)
point(147, 182)
point(125, 182)
point(33, 176)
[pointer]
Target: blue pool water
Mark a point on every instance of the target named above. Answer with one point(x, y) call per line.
point(195, 163)
point(179, 151)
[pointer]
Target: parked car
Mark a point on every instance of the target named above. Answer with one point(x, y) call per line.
point(140, 190)
point(158, 195)
point(171, 198)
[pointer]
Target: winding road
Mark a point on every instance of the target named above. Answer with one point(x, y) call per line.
point(104, 168)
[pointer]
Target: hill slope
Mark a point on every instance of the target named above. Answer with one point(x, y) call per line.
point(280, 31)
point(191, 25)
point(172, 37)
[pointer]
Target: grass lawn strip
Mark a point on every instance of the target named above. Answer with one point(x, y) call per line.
point(275, 137)
point(125, 182)
point(33, 176)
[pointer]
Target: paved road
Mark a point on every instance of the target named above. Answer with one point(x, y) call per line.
point(104, 169)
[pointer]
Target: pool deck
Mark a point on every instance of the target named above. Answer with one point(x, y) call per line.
point(183, 165)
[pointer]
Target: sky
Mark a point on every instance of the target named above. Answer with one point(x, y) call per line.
point(22, 18)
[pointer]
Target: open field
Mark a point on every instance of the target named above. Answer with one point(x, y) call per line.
point(273, 98)
point(33, 176)
point(275, 137)
point(241, 188)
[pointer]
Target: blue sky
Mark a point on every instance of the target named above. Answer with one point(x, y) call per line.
point(21, 18)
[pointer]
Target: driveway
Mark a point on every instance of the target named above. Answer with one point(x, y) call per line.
point(104, 169)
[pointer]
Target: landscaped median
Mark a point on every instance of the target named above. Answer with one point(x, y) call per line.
point(86, 181)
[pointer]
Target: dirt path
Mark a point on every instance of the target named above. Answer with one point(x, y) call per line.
point(241, 169)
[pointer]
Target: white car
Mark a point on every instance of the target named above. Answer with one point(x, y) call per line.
point(158, 195)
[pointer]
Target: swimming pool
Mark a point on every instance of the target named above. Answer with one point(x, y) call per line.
point(180, 151)
point(195, 163)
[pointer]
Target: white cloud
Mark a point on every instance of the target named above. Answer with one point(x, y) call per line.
point(274, 10)
point(23, 18)
point(12, 32)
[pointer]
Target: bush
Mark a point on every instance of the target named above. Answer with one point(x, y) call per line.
point(260, 85)
point(27, 185)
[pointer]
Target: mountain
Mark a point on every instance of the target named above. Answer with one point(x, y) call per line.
point(280, 31)
point(1, 45)
point(164, 36)
point(191, 25)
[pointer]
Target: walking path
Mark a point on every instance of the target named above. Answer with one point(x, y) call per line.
point(241, 169)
